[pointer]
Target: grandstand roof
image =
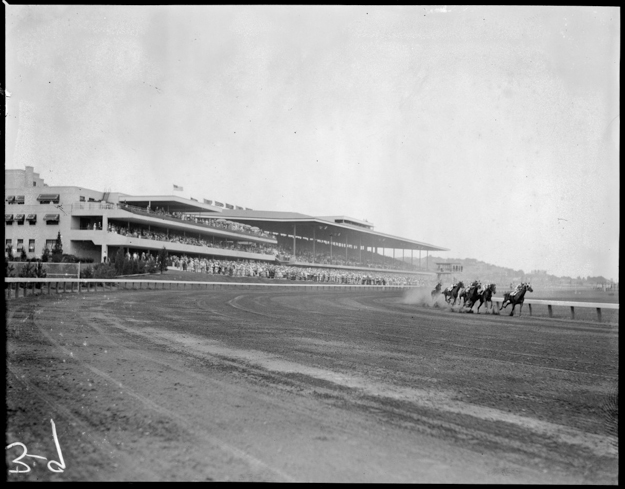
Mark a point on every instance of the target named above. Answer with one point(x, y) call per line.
point(322, 228)
point(171, 203)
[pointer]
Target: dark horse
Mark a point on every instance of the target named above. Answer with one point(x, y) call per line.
point(487, 296)
point(472, 294)
point(452, 293)
point(517, 298)
point(437, 290)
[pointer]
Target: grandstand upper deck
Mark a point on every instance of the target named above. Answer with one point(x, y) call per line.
point(328, 229)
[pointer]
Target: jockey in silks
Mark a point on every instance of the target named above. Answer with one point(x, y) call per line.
point(516, 290)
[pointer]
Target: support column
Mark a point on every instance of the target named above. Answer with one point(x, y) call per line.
point(104, 253)
point(360, 249)
point(294, 231)
point(314, 241)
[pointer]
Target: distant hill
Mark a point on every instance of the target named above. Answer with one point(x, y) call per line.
point(485, 272)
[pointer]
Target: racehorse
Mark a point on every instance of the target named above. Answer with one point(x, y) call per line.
point(487, 296)
point(517, 298)
point(437, 290)
point(462, 295)
point(472, 294)
point(452, 293)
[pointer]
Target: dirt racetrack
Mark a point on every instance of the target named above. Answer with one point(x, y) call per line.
point(301, 385)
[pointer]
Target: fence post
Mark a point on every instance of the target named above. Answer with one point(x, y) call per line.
point(80, 288)
point(530, 306)
point(48, 288)
point(599, 313)
point(572, 312)
point(550, 310)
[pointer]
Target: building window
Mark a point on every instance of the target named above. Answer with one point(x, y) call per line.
point(31, 245)
point(50, 244)
point(82, 198)
point(19, 199)
point(8, 244)
point(48, 198)
point(51, 218)
point(20, 244)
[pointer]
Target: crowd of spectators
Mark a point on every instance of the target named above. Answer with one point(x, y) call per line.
point(248, 268)
point(338, 257)
point(283, 250)
point(216, 223)
point(176, 237)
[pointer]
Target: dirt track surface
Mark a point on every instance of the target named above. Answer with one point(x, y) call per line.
point(288, 385)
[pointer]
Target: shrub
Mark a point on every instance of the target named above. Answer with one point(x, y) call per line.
point(162, 260)
point(9, 271)
point(86, 272)
point(32, 270)
point(119, 261)
point(151, 266)
point(127, 267)
point(57, 250)
point(45, 254)
point(104, 270)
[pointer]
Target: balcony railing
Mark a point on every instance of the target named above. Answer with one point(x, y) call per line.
point(167, 217)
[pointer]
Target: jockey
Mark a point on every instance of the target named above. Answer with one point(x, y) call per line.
point(516, 290)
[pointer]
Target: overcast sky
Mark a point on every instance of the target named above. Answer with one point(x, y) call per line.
point(491, 131)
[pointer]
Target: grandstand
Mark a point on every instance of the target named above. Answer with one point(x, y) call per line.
point(95, 225)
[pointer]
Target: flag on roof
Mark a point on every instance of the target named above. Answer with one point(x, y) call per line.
point(178, 188)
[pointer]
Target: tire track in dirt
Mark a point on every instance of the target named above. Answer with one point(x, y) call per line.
point(256, 464)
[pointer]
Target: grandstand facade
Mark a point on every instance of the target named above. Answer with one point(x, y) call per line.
point(94, 225)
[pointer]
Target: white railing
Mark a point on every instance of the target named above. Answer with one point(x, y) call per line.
point(77, 285)
point(551, 304)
